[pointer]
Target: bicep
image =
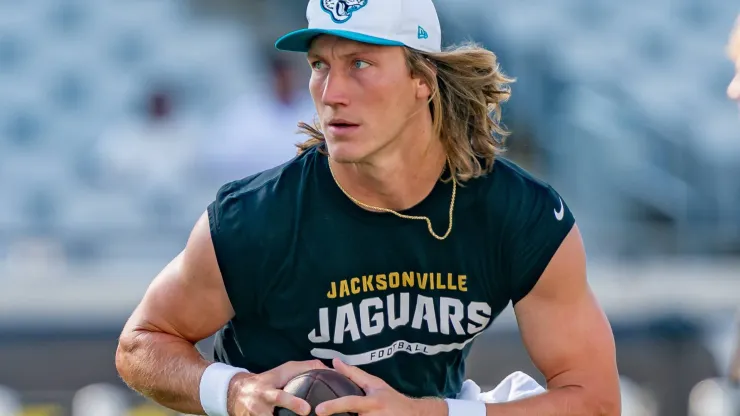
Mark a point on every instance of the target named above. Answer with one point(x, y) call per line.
point(563, 327)
point(187, 298)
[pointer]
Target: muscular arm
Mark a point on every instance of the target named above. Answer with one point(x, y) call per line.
point(186, 302)
point(569, 340)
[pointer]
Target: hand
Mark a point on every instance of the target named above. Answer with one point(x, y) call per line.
point(259, 394)
point(380, 400)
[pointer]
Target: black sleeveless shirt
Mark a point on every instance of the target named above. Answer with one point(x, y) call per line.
point(312, 275)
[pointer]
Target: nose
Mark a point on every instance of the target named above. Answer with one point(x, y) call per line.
point(336, 89)
point(733, 90)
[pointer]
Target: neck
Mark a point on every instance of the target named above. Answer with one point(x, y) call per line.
point(399, 179)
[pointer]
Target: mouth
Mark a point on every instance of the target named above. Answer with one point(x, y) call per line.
point(342, 126)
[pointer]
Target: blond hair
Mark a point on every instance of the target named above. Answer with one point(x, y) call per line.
point(468, 88)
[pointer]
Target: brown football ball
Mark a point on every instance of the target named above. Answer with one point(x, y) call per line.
point(318, 386)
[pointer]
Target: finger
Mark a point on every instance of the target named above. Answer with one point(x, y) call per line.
point(346, 404)
point(280, 398)
point(286, 372)
point(366, 381)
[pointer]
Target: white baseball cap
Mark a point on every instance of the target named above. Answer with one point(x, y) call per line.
point(410, 23)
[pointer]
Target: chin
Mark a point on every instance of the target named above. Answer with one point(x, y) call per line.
point(346, 152)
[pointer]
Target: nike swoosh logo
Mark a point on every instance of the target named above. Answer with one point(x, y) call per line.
point(560, 214)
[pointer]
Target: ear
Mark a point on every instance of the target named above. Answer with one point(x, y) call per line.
point(423, 90)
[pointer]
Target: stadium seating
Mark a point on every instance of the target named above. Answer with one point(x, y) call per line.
point(71, 71)
point(628, 100)
point(630, 112)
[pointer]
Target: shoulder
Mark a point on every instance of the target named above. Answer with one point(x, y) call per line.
point(528, 220)
point(254, 215)
point(507, 173)
point(254, 209)
point(510, 188)
point(264, 190)
point(523, 208)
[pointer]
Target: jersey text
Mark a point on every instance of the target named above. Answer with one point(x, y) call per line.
point(394, 280)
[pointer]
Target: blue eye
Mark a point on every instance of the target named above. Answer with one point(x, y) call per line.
point(361, 64)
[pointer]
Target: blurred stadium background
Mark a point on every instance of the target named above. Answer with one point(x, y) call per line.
point(119, 120)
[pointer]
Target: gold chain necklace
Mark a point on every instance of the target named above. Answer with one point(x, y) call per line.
point(398, 214)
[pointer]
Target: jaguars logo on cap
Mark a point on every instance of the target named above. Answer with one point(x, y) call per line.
point(341, 10)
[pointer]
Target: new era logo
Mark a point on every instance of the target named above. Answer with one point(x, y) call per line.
point(422, 34)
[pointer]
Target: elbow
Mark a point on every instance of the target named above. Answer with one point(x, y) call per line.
point(123, 351)
point(128, 345)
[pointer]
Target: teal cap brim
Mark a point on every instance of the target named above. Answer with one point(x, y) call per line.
point(300, 40)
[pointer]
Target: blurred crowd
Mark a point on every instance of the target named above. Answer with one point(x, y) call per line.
point(119, 122)
point(122, 119)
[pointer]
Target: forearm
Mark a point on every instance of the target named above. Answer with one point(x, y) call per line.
point(565, 401)
point(162, 367)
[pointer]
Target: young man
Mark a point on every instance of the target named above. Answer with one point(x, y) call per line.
point(390, 242)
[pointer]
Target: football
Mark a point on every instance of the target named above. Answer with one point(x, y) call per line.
point(318, 386)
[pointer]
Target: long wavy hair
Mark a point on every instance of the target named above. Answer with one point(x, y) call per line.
point(468, 89)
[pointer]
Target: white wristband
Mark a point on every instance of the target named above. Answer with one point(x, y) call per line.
point(457, 407)
point(214, 388)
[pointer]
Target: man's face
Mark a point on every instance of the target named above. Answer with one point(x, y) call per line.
point(364, 95)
